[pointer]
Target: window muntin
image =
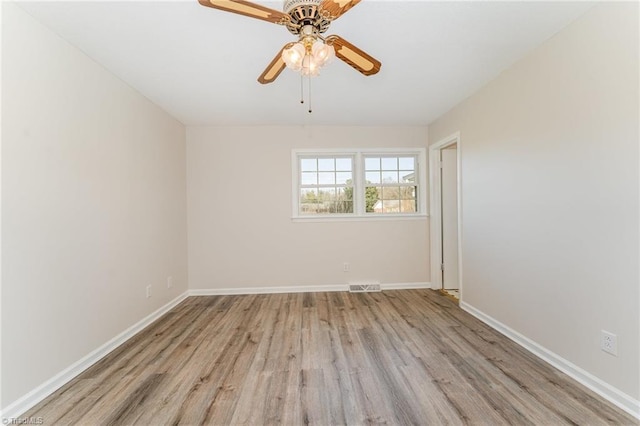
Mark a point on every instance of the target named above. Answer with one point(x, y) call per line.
point(326, 185)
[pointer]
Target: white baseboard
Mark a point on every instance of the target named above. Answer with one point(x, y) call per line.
point(605, 390)
point(29, 400)
point(405, 286)
point(265, 290)
point(296, 289)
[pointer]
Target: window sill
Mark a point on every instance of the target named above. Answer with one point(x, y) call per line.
point(372, 218)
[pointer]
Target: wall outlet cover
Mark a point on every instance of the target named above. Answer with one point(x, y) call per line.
point(609, 343)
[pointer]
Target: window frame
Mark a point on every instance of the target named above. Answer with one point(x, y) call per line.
point(359, 155)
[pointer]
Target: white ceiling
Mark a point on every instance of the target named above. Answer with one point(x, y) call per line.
point(201, 64)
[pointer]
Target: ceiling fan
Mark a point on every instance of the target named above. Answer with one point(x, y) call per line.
point(307, 19)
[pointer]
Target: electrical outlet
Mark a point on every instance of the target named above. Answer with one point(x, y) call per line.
point(148, 291)
point(169, 282)
point(345, 267)
point(609, 343)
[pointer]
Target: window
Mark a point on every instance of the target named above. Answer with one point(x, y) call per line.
point(358, 184)
point(326, 185)
point(390, 184)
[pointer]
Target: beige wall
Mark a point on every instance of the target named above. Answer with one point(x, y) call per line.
point(550, 194)
point(93, 205)
point(239, 202)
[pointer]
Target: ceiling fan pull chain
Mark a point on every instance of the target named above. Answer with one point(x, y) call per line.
point(309, 93)
point(301, 88)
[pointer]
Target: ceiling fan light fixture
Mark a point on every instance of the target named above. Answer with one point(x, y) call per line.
point(308, 56)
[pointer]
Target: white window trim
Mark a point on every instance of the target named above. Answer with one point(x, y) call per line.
point(358, 174)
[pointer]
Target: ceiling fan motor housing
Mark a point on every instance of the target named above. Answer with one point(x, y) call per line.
point(305, 12)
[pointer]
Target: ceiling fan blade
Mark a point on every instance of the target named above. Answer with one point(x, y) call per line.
point(274, 69)
point(336, 8)
point(249, 9)
point(358, 59)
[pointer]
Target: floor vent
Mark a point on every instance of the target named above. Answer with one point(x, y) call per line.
point(364, 288)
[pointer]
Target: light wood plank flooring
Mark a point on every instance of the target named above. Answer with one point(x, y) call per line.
point(396, 357)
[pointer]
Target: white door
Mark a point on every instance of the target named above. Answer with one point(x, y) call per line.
point(449, 180)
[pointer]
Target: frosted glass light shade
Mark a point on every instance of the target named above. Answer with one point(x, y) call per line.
point(294, 56)
point(322, 53)
point(310, 66)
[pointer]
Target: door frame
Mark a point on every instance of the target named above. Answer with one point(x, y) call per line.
point(435, 205)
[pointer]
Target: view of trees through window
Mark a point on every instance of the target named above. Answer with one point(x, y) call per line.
point(328, 201)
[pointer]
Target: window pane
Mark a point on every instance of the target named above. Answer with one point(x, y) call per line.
point(407, 163)
point(390, 193)
point(347, 207)
point(409, 202)
point(372, 163)
point(407, 177)
point(345, 194)
point(309, 178)
point(373, 203)
point(408, 192)
point(308, 164)
point(308, 201)
point(326, 164)
point(308, 194)
point(335, 200)
point(343, 164)
point(372, 177)
point(327, 194)
point(342, 207)
point(343, 178)
point(408, 206)
point(324, 200)
point(390, 163)
point(311, 209)
point(326, 178)
point(391, 206)
point(389, 177)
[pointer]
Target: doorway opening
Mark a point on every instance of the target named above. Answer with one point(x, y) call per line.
point(446, 266)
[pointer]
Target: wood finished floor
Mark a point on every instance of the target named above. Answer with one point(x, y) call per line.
point(396, 357)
